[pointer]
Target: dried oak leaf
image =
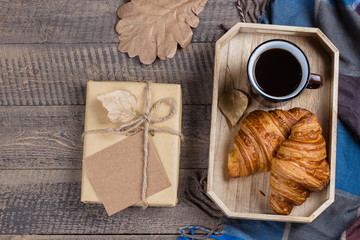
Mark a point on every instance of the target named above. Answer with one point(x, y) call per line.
point(150, 28)
point(120, 104)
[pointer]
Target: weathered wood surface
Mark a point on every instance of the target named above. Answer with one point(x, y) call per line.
point(48, 51)
point(87, 21)
point(48, 202)
point(56, 74)
point(89, 237)
point(49, 137)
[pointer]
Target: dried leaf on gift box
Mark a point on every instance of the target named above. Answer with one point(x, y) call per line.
point(120, 104)
point(150, 28)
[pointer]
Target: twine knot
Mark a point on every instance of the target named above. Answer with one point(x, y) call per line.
point(142, 123)
point(147, 118)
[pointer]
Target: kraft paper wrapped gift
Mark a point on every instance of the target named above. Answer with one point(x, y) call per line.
point(167, 146)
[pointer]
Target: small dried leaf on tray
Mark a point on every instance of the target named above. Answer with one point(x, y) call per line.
point(150, 28)
point(233, 104)
point(120, 104)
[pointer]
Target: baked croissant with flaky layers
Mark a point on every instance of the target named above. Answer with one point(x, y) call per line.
point(258, 139)
point(299, 167)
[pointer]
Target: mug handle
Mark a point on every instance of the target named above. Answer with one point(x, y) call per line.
point(316, 81)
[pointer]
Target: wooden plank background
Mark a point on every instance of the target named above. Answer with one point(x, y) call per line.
point(48, 51)
point(56, 74)
point(88, 21)
point(89, 237)
point(34, 137)
point(44, 201)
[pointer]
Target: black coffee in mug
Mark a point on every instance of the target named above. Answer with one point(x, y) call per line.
point(277, 72)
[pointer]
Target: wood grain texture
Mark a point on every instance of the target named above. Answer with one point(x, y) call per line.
point(48, 52)
point(50, 137)
point(89, 237)
point(56, 74)
point(87, 21)
point(48, 202)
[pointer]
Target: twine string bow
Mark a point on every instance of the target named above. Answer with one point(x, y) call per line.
point(142, 123)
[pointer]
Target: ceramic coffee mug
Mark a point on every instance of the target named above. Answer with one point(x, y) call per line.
point(278, 71)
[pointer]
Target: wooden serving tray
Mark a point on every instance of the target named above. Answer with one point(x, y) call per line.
point(249, 197)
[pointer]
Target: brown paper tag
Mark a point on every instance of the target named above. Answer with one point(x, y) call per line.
point(116, 173)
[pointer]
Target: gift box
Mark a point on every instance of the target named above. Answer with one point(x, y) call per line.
point(166, 146)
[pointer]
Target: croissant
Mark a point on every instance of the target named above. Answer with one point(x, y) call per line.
point(258, 139)
point(299, 167)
